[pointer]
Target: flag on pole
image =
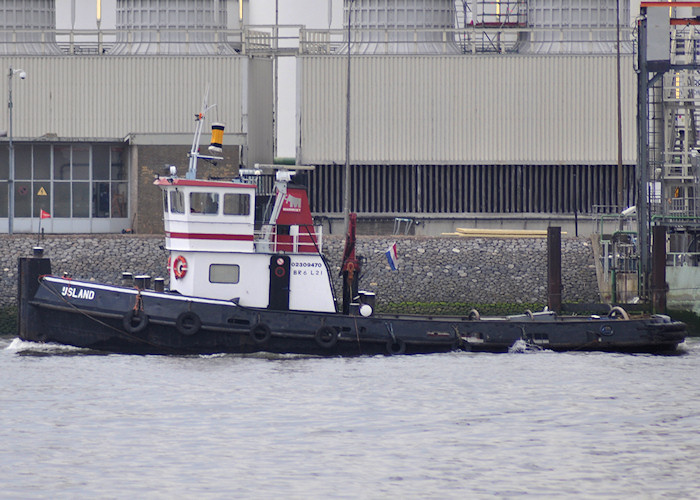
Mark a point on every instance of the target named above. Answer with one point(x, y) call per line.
point(44, 214)
point(392, 257)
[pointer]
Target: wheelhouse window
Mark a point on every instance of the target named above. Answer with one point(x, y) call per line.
point(236, 204)
point(224, 273)
point(177, 202)
point(204, 203)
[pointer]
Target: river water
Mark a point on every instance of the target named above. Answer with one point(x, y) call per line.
point(78, 424)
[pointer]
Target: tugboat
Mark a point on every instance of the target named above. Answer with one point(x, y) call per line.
point(238, 285)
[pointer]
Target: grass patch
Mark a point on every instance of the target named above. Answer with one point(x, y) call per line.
point(8, 320)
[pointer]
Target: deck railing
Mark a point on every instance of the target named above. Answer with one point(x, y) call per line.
point(300, 239)
point(297, 40)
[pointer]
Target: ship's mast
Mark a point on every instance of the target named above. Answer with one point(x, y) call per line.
point(194, 151)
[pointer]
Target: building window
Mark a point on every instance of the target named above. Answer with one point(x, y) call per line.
point(108, 192)
point(66, 180)
point(224, 273)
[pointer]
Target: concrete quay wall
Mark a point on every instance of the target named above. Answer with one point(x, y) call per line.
point(441, 269)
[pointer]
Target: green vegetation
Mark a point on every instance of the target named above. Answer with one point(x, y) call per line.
point(282, 160)
point(458, 308)
point(8, 320)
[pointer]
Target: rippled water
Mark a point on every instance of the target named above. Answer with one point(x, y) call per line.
point(76, 424)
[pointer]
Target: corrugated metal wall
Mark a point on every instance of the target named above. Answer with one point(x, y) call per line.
point(112, 96)
point(391, 190)
point(484, 109)
point(258, 115)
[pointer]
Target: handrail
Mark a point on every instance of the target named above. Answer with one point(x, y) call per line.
point(295, 39)
point(309, 241)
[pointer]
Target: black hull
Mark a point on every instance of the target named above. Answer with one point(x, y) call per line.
point(125, 320)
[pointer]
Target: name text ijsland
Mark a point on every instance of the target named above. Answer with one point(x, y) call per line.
point(77, 293)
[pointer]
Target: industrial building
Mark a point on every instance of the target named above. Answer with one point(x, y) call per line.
point(96, 114)
point(506, 113)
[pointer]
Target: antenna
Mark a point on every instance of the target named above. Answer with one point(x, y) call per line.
point(194, 151)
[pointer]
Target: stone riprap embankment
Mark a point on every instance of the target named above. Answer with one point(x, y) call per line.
point(472, 270)
point(431, 269)
point(100, 258)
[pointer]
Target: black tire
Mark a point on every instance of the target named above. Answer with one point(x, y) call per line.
point(188, 323)
point(135, 321)
point(260, 333)
point(326, 337)
point(394, 347)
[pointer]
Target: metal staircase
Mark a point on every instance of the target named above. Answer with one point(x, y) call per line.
point(488, 22)
point(678, 161)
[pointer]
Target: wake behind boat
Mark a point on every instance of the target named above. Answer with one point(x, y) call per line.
point(247, 274)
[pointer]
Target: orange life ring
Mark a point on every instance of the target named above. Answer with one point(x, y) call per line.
point(180, 267)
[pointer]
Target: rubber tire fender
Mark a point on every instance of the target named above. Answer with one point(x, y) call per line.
point(128, 321)
point(260, 333)
point(188, 323)
point(326, 337)
point(395, 347)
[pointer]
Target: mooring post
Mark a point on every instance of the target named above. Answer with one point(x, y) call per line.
point(554, 269)
point(658, 270)
point(29, 269)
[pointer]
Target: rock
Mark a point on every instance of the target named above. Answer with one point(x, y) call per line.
point(430, 268)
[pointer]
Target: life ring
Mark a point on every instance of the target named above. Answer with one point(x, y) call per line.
point(188, 323)
point(260, 333)
point(135, 321)
point(474, 315)
point(617, 312)
point(180, 267)
point(326, 337)
point(397, 346)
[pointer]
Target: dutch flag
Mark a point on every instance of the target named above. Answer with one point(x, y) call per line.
point(392, 257)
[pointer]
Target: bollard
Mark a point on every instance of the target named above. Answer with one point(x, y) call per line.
point(658, 270)
point(143, 281)
point(554, 269)
point(127, 279)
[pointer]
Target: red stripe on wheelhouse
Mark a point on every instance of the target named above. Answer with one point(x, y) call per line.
point(205, 236)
